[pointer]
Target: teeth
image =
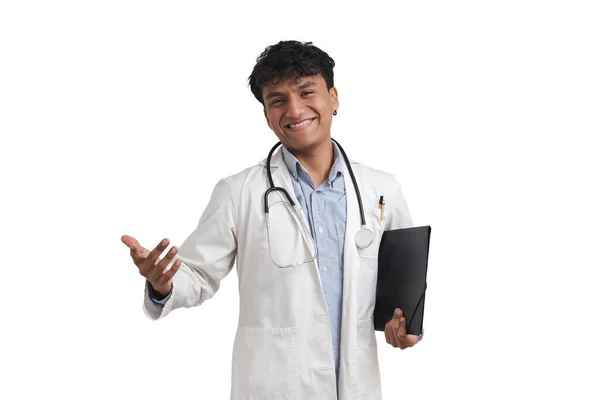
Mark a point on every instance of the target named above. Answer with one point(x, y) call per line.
point(300, 124)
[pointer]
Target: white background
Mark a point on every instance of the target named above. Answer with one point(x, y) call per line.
point(119, 117)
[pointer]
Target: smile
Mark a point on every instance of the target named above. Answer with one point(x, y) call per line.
point(300, 125)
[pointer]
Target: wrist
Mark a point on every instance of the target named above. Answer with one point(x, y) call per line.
point(162, 290)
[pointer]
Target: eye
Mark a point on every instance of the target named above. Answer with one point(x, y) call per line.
point(305, 93)
point(276, 101)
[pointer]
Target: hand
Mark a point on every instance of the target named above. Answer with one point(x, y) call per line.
point(395, 332)
point(151, 266)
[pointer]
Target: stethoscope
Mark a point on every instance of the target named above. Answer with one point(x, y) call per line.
point(363, 238)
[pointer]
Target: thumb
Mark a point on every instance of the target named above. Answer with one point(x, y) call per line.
point(130, 242)
point(397, 313)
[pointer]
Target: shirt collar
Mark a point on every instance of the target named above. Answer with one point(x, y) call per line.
point(294, 166)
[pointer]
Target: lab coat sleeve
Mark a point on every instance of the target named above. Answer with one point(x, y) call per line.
point(155, 297)
point(207, 256)
point(398, 208)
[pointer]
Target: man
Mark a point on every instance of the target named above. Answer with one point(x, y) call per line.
point(305, 327)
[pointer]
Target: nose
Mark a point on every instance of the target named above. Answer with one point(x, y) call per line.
point(295, 108)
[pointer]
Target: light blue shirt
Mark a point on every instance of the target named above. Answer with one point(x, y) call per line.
point(325, 209)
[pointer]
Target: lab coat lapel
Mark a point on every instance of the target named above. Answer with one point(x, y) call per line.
point(281, 178)
point(281, 175)
point(348, 365)
point(348, 362)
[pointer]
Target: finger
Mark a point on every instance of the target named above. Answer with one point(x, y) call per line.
point(150, 261)
point(392, 332)
point(162, 264)
point(391, 328)
point(160, 267)
point(401, 333)
point(138, 253)
point(170, 273)
point(398, 313)
point(146, 266)
point(395, 341)
point(126, 239)
point(388, 331)
point(401, 328)
point(130, 242)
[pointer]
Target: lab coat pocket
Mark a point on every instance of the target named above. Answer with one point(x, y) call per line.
point(265, 364)
point(377, 226)
point(368, 363)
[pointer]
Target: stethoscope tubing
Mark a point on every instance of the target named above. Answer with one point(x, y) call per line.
point(273, 188)
point(363, 221)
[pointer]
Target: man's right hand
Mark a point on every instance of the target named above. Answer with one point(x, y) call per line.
point(151, 266)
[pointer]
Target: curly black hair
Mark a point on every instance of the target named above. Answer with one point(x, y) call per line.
point(289, 59)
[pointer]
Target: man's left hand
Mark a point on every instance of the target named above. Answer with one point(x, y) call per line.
point(395, 332)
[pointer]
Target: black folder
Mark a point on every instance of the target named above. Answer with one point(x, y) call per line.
point(402, 277)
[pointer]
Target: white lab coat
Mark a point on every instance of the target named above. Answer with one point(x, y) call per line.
point(283, 346)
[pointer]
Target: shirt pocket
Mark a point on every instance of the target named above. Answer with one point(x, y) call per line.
point(265, 364)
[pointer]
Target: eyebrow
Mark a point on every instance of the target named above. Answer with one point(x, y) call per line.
point(300, 87)
point(306, 84)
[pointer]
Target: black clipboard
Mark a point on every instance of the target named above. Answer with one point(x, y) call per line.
point(402, 277)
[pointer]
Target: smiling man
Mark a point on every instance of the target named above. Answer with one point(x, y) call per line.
point(306, 283)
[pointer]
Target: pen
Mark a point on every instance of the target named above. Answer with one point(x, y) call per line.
point(381, 207)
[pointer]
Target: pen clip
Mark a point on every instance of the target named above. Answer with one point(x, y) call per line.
point(381, 207)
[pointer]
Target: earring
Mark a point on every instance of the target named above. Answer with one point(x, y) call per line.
point(334, 112)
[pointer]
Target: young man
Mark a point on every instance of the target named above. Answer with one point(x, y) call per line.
point(307, 284)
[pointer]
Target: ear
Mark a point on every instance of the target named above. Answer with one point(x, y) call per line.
point(267, 118)
point(334, 97)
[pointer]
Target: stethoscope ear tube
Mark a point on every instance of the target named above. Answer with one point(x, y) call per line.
point(271, 184)
point(358, 196)
point(364, 237)
point(272, 187)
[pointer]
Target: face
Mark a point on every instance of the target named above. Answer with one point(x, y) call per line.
point(300, 111)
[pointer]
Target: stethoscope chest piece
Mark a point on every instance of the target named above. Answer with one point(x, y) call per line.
point(363, 238)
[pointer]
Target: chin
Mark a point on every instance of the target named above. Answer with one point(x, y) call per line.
point(304, 144)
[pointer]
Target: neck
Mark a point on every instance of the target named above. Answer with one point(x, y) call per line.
point(317, 162)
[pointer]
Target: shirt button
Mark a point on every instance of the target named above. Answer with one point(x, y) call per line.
point(320, 230)
point(324, 268)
